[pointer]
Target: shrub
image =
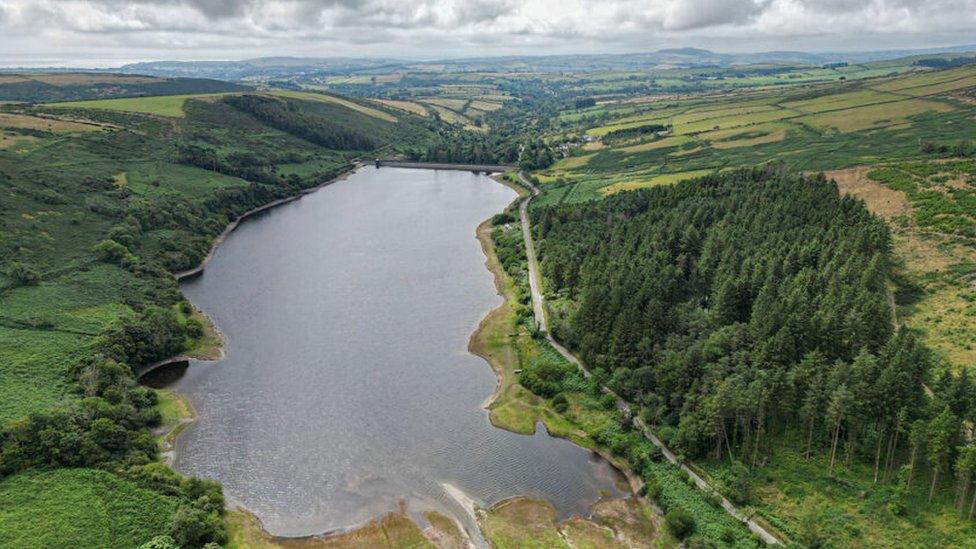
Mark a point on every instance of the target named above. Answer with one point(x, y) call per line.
point(559, 403)
point(194, 328)
point(739, 483)
point(194, 528)
point(680, 522)
point(502, 218)
point(545, 379)
point(23, 274)
point(159, 542)
point(111, 251)
point(652, 489)
point(122, 235)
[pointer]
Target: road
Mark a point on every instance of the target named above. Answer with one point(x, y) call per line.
point(535, 286)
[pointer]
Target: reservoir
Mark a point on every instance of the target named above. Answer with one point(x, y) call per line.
point(347, 387)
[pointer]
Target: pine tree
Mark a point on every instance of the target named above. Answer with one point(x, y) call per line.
point(942, 429)
point(839, 407)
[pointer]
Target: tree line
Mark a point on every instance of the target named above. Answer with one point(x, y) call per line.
point(750, 306)
point(636, 131)
point(294, 118)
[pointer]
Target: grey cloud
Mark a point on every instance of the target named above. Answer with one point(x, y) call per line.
point(220, 8)
point(923, 7)
point(696, 14)
point(443, 27)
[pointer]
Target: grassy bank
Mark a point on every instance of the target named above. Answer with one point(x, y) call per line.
point(505, 343)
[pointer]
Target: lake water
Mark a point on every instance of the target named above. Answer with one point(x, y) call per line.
point(347, 386)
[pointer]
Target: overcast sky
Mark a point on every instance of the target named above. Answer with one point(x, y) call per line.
point(110, 32)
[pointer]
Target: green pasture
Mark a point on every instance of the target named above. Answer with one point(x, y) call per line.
point(806, 127)
point(164, 105)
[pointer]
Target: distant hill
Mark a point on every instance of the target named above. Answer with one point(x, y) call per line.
point(70, 86)
point(686, 51)
point(262, 68)
point(271, 68)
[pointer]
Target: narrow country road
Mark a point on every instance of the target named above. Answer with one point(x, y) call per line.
point(540, 314)
point(535, 282)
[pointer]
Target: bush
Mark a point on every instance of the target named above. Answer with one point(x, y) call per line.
point(194, 528)
point(113, 252)
point(23, 274)
point(559, 403)
point(545, 379)
point(652, 489)
point(739, 483)
point(194, 328)
point(159, 542)
point(502, 218)
point(680, 522)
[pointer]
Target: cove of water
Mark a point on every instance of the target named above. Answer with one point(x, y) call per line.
point(347, 386)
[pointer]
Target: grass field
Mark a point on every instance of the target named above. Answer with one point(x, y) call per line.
point(165, 105)
point(806, 127)
point(663, 179)
point(408, 106)
point(79, 508)
point(375, 113)
point(25, 121)
point(504, 344)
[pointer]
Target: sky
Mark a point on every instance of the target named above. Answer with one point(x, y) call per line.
point(89, 33)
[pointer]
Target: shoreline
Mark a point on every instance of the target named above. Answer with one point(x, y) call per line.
point(198, 270)
point(475, 345)
point(245, 526)
point(218, 352)
point(501, 374)
point(185, 416)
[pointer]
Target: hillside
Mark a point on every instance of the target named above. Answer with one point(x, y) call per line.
point(68, 86)
point(807, 359)
point(643, 141)
point(746, 316)
point(103, 201)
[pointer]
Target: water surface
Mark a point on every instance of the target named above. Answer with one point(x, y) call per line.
point(348, 386)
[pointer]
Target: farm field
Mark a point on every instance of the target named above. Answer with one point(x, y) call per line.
point(166, 105)
point(845, 128)
point(904, 144)
point(805, 127)
point(375, 113)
